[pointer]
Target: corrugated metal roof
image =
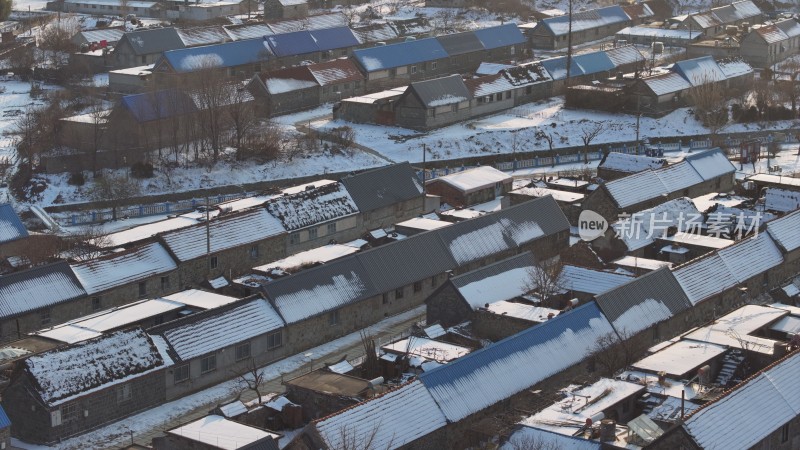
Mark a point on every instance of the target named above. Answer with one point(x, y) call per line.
point(625, 162)
point(699, 71)
point(37, 288)
point(158, 105)
point(334, 38)
point(376, 32)
point(335, 72)
point(315, 22)
point(153, 40)
point(636, 188)
point(289, 44)
point(382, 187)
point(479, 286)
point(557, 67)
point(789, 26)
point(11, 227)
point(585, 20)
point(594, 62)
point(248, 31)
point(624, 55)
point(311, 206)
point(748, 414)
point(711, 164)
point(496, 372)
point(193, 37)
point(582, 279)
point(400, 54)
point(217, 331)
point(117, 269)
point(110, 35)
point(499, 36)
point(643, 302)
point(704, 278)
point(401, 264)
point(460, 43)
point(678, 176)
point(440, 91)
point(228, 54)
point(785, 231)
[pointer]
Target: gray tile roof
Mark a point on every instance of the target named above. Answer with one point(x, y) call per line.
point(38, 288)
point(154, 40)
point(383, 187)
point(440, 91)
point(520, 261)
point(647, 300)
point(460, 43)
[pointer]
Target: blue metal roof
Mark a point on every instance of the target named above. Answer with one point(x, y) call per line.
point(288, 44)
point(400, 54)
point(557, 67)
point(331, 38)
point(500, 36)
point(5, 422)
point(594, 62)
point(11, 228)
point(699, 71)
point(227, 54)
point(575, 320)
point(158, 105)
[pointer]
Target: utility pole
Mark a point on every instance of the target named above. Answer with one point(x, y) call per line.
point(569, 46)
point(424, 151)
point(208, 236)
point(638, 116)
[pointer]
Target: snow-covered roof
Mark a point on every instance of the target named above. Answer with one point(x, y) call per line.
point(217, 330)
point(667, 83)
point(309, 257)
point(735, 68)
point(644, 263)
point(789, 325)
point(624, 162)
point(781, 200)
point(118, 269)
point(705, 277)
point(227, 231)
point(69, 334)
point(473, 180)
point(508, 79)
point(38, 287)
point(503, 280)
point(427, 348)
point(751, 256)
point(558, 195)
point(219, 432)
point(548, 439)
point(585, 20)
point(421, 223)
point(377, 420)
point(750, 413)
point(523, 311)
point(680, 358)
point(487, 68)
point(200, 299)
point(734, 329)
point(312, 206)
point(699, 240)
point(699, 71)
point(645, 301)
point(384, 186)
point(494, 373)
point(644, 227)
point(784, 231)
point(582, 279)
point(651, 32)
point(581, 403)
point(766, 178)
point(145, 231)
point(440, 91)
point(710, 164)
point(11, 227)
point(192, 37)
point(63, 374)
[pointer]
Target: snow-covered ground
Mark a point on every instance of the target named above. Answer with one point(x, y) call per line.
point(119, 433)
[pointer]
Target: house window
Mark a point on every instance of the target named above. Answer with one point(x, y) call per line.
point(45, 316)
point(180, 374)
point(385, 298)
point(785, 433)
point(123, 393)
point(274, 340)
point(413, 69)
point(433, 65)
point(294, 238)
point(165, 283)
point(213, 262)
point(254, 252)
point(333, 318)
point(142, 288)
point(242, 351)
point(208, 364)
point(312, 233)
point(95, 303)
point(418, 286)
point(499, 96)
point(398, 293)
point(69, 412)
point(332, 228)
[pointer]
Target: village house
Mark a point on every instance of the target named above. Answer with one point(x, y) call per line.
point(647, 35)
point(118, 278)
point(221, 343)
point(323, 392)
point(14, 237)
point(259, 30)
point(215, 432)
point(569, 202)
point(618, 165)
point(417, 354)
point(111, 35)
point(768, 44)
point(39, 297)
point(681, 359)
point(303, 87)
point(237, 59)
point(716, 424)
point(203, 11)
point(716, 20)
point(470, 187)
point(699, 173)
point(285, 9)
point(139, 48)
point(591, 25)
point(67, 391)
point(781, 200)
point(108, 7)
point(596, 65)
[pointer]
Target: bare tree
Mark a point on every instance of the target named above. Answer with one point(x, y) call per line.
point(611, 353)
point(370, 368)
point(709, 99)
point(29, 139)
point(789, 86)
point(89, 242)
point(55, 41)
point(211, 95)
point(544, 279)
point(541, 134)
point(240, 113)
point(114, 190)
point(99, 120)
point(252, 378)
point(588, 134)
